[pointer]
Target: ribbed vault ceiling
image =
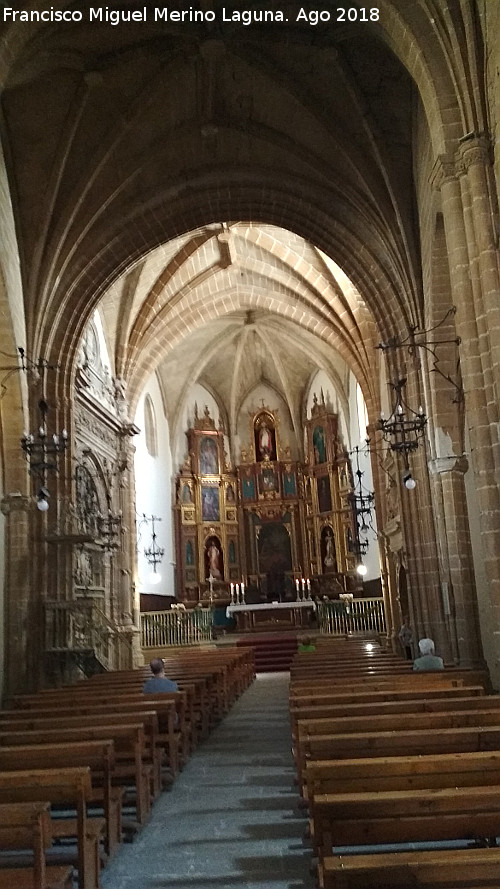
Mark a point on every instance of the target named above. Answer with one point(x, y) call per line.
point(259, 339)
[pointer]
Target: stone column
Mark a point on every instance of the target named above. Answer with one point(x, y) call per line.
point(23, 648)
point(129, 616)
point(469, 251)
point(456, 569)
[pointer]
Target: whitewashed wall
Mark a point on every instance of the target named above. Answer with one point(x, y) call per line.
point(357, 437)
point(153, 490)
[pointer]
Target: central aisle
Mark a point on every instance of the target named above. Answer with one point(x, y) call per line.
point(230, 819)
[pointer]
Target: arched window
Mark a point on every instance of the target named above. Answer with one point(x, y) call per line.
point(150, 427)
point(362, 413)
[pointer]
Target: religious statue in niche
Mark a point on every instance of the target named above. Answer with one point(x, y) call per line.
point(186, 493)
point(230, 498)
point(210, 509)
point(343, 477)
point(265, 439)
point(209, 458)
point(213, 559)
point(324, 493)
point(328, 554)
point(319, 445)
point(349, 540)
point(87, 501)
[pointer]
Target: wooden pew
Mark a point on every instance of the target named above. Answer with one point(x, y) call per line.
point(451, 699)
point(402, 772)
point(26, 826)
point(409, 816)
point(152, 758)
point(367, 734)
point(68, 787)
point(486, 712)
point(358, 682)
point(99, 756)
point(437, 869)
point(130, 750)
point(396, 743)
point(166, 732)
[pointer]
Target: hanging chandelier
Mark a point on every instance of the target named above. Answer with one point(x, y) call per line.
point(403, 430)
point(154, 553)
point(362, 502)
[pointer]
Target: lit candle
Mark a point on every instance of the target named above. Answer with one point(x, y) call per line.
point(308, 584)
point(232, 590)
point(297, 583)
point(242, 588)
point(303, 585)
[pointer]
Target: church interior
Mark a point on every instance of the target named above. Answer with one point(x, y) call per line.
point(249, 337)
point(250, 393)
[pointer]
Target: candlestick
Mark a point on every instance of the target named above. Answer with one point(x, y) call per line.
point(308, 588)
point(232, 593)
point(297, 590)
point(242, 592)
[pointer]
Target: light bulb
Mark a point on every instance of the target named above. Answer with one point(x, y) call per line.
point(154, 578)
point(42, 505)
point(362, 570)
point(408, 480)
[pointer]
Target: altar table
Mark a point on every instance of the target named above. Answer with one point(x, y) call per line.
point(271, 615)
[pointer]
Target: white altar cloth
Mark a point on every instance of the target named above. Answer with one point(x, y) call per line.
point(269, 606)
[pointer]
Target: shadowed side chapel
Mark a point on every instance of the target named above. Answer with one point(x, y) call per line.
point(250, 283)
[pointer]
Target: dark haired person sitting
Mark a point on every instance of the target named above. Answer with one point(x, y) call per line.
point(158, 682)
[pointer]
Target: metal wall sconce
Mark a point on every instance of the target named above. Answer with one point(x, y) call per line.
point(419, 339)
point(41, 450)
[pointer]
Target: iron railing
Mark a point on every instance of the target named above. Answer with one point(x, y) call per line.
point(338, 618)
point(174, 627)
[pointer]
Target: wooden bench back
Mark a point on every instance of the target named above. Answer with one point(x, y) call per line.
point(402, 772)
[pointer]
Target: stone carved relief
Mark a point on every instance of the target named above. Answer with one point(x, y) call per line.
point(93, 374)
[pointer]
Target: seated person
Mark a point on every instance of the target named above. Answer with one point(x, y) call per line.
point(306, 644)
point(158, 682)
point(428, 660)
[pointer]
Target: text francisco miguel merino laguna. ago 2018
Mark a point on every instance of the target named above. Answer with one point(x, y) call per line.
point(105, 16)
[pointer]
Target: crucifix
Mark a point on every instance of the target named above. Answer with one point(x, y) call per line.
point(210, 580)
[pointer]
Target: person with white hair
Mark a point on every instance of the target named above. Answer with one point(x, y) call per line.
point(428, 659)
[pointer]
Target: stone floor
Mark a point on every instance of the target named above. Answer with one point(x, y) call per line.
point(230, 819)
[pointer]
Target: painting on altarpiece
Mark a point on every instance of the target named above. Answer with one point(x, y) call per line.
point(248, 487)
point(210, 507)
point(273, 547)
point(209, 458)
point(324, 493)
point(319, 445)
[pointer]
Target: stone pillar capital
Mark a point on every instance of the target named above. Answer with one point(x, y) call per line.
point(15, 502)
point(448, 464)
point(473, 150)
point(444, 169)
